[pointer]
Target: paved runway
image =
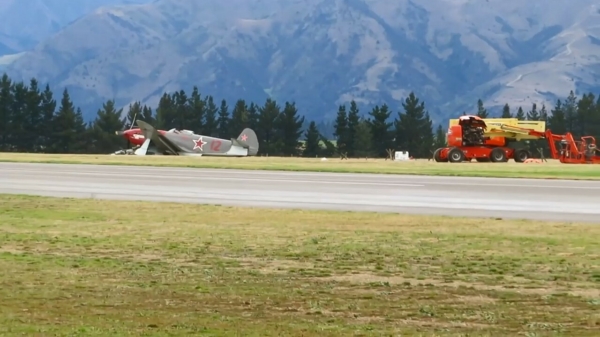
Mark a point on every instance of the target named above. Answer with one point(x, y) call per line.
point(487, 197)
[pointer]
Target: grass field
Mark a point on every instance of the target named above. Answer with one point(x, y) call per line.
point(550, 170)
point(108, 268)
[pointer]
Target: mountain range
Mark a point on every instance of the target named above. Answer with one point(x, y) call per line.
point(25, 23)
point(318, 53)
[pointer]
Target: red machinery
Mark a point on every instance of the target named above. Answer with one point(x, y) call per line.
point(470, 139)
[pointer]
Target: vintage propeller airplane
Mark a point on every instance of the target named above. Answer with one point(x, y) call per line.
point(149, 141)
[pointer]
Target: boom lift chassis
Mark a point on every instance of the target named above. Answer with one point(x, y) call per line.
point(470, 139)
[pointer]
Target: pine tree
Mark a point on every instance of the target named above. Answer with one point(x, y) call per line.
point(135, 113)
point(557, 121)
point(267, 128)
point(481, 111)
point(380, 129)
point(414, 129)
point(48, 111)
point(506, 111)
point(103, 128)
point(311, 144)
point(520, 114)
point(19, 135)
point(353, 120)
point(68, 127)
point(240, 118)
point(362, 140)
point(147, 115)
point(595, 123)
point(35, 118)
point(165, 113)
point(533, 115)
point(252, 116)
point(223, 121)
point(542, 143)
point(290, 125)
point(341, 129)
point(570, 109)
point(428, 136)
point(586, 108)
point(210, 117)
point(440, 138)
point(182, 110)
point(197, 109)
point(6, 102)
point(544, 113)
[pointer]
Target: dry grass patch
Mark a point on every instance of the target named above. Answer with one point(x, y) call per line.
point(104, 268)
point(550, 170)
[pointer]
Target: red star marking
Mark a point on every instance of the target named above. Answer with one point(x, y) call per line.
point(198, 144)
point(244, 137)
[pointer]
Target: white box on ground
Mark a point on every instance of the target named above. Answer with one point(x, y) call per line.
point(401, 155)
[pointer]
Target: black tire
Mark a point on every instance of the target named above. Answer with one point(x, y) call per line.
point(498, 155)
point(437, 157)
point(456, 155)
point(521, 155)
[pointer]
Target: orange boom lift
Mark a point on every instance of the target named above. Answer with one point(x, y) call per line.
point(471, 137)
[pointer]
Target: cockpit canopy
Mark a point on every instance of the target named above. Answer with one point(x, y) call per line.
point(187, 132)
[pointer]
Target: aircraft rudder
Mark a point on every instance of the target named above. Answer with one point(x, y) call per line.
point(249, 137)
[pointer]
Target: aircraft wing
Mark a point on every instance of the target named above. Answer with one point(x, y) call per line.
point(160, 141)
point(239, 143)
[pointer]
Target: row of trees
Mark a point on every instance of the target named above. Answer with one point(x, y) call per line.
point(375, 133)
point(31, 120)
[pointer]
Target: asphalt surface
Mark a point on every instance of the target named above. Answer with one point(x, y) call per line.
point(453, 196)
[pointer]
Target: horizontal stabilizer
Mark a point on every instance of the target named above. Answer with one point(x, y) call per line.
point(240, 143)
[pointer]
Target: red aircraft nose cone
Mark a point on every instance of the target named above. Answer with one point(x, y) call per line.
point(134, 136)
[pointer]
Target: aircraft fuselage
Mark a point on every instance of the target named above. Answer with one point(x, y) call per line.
point(187, 143)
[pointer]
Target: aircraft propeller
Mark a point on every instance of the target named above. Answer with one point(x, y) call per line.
point(120, 133)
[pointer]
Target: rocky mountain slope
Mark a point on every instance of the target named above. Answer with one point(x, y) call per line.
point(24, 23)
point(322, 53)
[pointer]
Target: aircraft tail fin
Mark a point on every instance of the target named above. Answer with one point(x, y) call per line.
point(248, 136)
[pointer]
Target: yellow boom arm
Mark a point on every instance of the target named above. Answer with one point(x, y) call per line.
point(510, 128)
